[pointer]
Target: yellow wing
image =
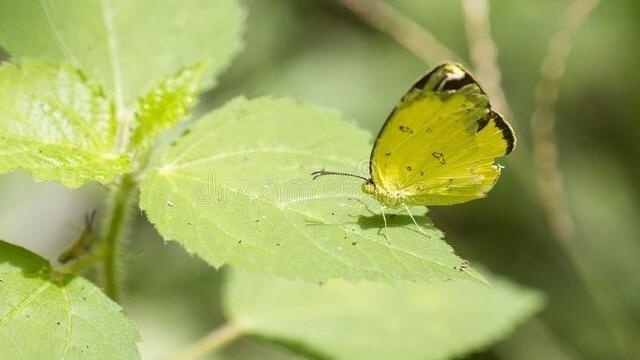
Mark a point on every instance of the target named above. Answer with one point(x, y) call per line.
point(439, 145)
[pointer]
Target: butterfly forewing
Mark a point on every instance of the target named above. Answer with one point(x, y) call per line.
point(439, 145)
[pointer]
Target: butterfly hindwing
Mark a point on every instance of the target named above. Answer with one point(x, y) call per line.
point(439, 145)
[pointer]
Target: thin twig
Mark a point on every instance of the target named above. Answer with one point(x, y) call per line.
point(484, 53)
point(550, 180)
point(402, 29)
point(484, 57)
point(215, 340)
point(543, 121)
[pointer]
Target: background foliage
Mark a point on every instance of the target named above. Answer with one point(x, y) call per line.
point(318, 51)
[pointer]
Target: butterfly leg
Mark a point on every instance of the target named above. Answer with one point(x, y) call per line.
point(384, 218)
point(365, 205)
point(414, 220)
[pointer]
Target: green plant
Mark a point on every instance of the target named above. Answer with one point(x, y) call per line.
point(98, 91)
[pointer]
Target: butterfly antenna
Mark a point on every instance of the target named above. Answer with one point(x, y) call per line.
point(317, 174)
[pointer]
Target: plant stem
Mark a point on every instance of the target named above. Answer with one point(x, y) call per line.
point(402, 29)
point(484, 58)
point(120, 212)
point(215, 340)
point(484, 52)
point(550, 179)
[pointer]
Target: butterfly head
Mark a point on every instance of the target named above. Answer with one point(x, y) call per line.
point(369, 188)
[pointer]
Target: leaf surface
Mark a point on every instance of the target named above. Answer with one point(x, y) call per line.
point(46, 315)
point(128, 45)
point(57, 124)
point(236, 189)
point(340, 320)
point(166, 104)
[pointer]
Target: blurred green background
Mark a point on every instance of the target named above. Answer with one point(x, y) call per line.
point(319, 51)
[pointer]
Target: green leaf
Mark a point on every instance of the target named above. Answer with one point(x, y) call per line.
point(47, 315)
point(236, 189)
point(128, 45)
point(57, 124)
point(166, 104)
point(340, 320)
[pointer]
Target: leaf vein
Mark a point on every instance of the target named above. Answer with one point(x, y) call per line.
point(283, 150)
point(23, 303)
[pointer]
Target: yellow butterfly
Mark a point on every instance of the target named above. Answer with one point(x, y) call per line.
point(438, 146)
